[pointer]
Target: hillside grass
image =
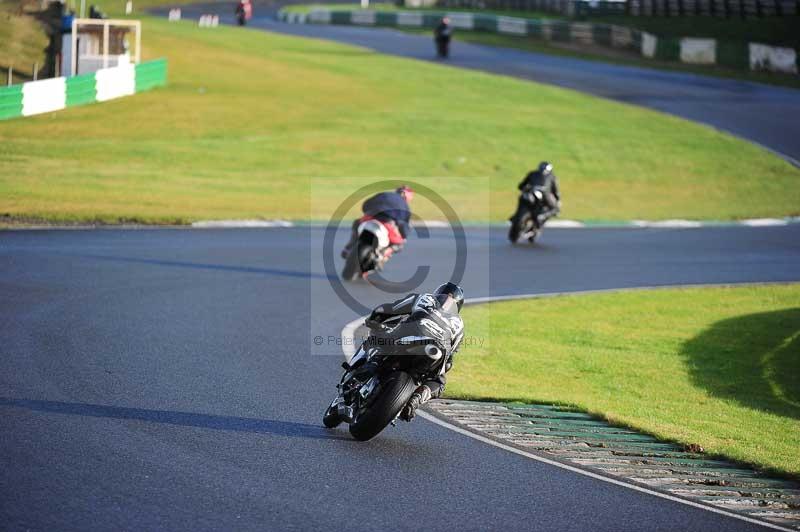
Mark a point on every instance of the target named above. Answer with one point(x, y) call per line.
point(250, 117)
point(22, 43)
point(718, 367)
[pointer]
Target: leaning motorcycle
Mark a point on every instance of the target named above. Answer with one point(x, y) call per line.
point(525, 222)
point(380, 379)
point(370, 252)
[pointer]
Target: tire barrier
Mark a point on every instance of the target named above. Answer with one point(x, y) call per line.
point(208, 21)
point(54, 94)
point(743, 56)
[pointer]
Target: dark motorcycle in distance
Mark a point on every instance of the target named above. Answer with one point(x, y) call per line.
point(441, 35)
point(380, 379)
point(525, 222)
point(370, 252)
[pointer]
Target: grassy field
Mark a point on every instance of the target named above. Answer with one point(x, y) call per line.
point(22, 43)
point(719, 367)
point(249, 117)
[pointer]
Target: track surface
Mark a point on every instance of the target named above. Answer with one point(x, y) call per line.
point(761, 113)
point(164, 379)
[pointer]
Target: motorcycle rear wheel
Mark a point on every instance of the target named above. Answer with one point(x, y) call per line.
point(352, 269)
point(395, 392)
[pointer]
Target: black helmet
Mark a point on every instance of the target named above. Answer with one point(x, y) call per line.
point(545, 168)
point(449, 294)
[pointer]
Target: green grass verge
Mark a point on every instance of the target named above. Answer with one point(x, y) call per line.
point(719, 367)
point(239, 133)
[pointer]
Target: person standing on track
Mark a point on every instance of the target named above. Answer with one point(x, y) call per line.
point(441, 35)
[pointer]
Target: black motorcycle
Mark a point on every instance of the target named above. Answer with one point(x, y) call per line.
point(525, 222)
point(380, 379)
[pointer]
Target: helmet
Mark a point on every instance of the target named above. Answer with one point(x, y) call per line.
point(405, 191)
point(545, 168)
point(449, 295)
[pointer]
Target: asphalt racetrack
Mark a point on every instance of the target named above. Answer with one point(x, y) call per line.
point(764, 114)
point(168, 379)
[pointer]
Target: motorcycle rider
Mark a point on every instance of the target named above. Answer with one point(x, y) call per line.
point(402, 318)
point(544, 178)
point(392, 209)
point(441, 34)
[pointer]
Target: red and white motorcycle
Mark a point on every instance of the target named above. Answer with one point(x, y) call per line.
point(377, 241)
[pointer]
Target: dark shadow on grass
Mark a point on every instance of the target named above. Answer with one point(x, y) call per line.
point(183, 419)
point(752, 359)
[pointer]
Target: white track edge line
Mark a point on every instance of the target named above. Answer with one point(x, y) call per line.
point(348, 331)
point(596, 476)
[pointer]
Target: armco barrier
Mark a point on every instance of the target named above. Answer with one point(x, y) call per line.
point(53, 94)
point(688, 50)
point(556, 30)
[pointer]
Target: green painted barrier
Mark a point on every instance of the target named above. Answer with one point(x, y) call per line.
point(340, 17)
point(385, 18)
point(560, 31)
point(668, 49)
point(601, 34)
point(734, 55)
point(10, 101)
point(81, 89)
point(484, 23)
point(151, 74)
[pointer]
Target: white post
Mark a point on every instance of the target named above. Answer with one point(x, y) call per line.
point(138, 58)
point(129, 7)
point(105, 44)
point(35, 71)
point(364, 4)
point(74, 52)
point(10, 75)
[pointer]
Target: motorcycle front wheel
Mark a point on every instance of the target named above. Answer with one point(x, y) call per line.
point(518, 223)
point(331, 418)
point(395, 391)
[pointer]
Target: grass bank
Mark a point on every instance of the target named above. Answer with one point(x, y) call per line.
point(719, 367)
point(22, 42)
point(248, 117)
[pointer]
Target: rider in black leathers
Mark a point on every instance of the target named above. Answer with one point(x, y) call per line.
point(401, 318)
point(441, 35)
point(545, 178)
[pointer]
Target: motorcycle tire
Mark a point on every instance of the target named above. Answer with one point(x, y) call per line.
point(331, 418)
point(352, 269)
point(395, 392)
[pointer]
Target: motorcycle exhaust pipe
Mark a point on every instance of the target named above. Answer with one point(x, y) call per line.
point(433, 352)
